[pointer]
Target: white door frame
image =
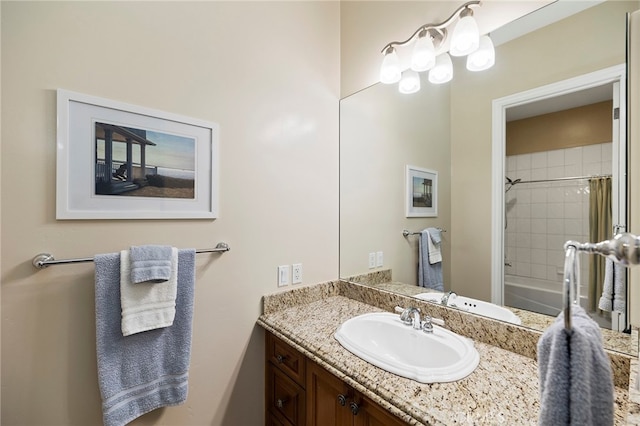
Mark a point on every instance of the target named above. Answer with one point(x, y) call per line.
point(499, 106)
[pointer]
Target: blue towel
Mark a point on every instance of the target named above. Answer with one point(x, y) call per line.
point(576, 383)
point(429, 275)
point(151, 263)
point(144, 371)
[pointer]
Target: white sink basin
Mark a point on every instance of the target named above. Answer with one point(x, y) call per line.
point(384, 341)
point(474, 306)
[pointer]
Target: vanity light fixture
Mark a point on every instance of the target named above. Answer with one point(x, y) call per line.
point(442, 70)
point(466, 36)
point(484, 57)
point(430, 51)
point(409, 83)
point(390, 71)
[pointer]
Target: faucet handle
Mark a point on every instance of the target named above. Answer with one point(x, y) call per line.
point(427, 324)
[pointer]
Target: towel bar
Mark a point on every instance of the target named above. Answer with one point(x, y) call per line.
point(406, 232)
point(623, 249)
point(43, 260)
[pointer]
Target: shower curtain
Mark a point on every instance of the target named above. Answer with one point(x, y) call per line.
point(599, 230)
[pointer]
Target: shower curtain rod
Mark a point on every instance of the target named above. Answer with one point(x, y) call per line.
point(43, 260)
point(563, 178)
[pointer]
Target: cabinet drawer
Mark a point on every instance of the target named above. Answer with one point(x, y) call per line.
point(285, 398)
point(286, 358)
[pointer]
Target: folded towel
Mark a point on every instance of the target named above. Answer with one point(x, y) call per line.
point(606, 300)
point(429, 275)
point(576, 383)
point(619, 288)
point(139, 373)
point(147, 305)
point(151, 263)
point(434, 240)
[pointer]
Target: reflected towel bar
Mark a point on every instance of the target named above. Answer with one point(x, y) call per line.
point(406, 233)
point(43, 260)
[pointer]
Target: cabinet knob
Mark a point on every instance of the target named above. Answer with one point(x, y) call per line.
point(354, 408)
point(280, 402)
point(280, 358)
point(342, 400)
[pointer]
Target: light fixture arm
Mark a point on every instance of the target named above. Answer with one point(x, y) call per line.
point(440, 28)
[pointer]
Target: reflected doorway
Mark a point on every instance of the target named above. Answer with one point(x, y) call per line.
point(543, 186)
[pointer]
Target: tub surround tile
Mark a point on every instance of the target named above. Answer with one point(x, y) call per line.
point(503, 389)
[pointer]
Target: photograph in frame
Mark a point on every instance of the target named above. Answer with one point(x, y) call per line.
point(120, 161)
point(421, 192)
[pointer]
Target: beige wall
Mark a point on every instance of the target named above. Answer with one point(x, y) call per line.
point(268, 74)
point(585, 125)
point(520, 65)
point(381, 132)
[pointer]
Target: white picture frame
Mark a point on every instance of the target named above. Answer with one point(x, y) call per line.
point(167, 164)
point(421, 198)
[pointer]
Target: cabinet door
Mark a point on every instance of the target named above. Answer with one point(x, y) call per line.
point(328, 398)
point(285, 398)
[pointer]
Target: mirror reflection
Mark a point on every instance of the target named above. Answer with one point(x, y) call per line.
point(382, 132)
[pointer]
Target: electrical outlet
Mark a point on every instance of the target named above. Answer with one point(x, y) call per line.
point(296, 273)
point(283, 275)
point(372, 260)
point(379, 259)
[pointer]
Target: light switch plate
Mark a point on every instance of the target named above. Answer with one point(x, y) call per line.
point(283, 275)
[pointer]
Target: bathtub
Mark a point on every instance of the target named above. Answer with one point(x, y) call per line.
point(536, 295)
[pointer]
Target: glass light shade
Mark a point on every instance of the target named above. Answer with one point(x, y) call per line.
point(443, 69)
point(390, 71)
point(484, 57)
point(410, 82)
point(424, 54)
point(465, 38)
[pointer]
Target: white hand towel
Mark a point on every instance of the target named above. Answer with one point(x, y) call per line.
point(147, 305)
point(606, 300)
point(435, 255)
point(619, 288)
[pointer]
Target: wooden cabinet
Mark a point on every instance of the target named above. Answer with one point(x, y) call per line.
point(285, 375)
point(332, 402)
point(301, 392)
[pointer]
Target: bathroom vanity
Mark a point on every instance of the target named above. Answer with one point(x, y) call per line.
point(309, 375)
point(299, 391)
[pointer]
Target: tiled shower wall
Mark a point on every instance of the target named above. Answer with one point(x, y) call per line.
point(541, 217)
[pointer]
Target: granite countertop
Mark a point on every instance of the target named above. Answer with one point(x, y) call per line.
point(502, 390)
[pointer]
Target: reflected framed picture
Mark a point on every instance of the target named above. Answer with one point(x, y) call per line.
point(121, 161)
point(421, 192)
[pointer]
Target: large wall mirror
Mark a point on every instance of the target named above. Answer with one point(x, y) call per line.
point(448, 129)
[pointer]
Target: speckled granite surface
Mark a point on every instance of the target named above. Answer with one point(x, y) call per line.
point(308, 317)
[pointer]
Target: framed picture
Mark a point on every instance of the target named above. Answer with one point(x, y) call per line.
point(121, 161)
point(421, 192)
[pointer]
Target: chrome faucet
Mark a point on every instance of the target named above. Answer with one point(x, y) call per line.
point(411, 316)
point(447, 296)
